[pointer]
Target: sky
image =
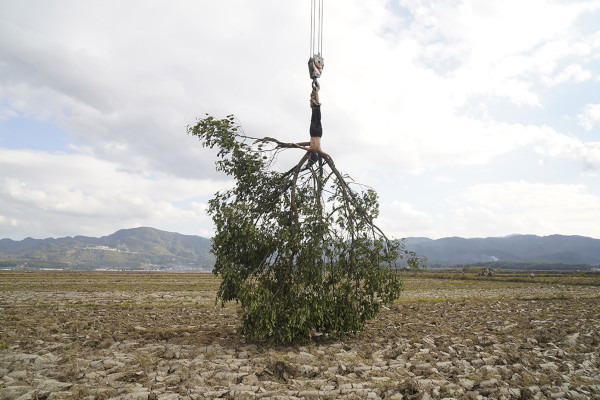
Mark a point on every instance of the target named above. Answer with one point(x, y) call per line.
point(470, 118)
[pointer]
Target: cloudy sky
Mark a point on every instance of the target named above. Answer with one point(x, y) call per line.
point(470, 118)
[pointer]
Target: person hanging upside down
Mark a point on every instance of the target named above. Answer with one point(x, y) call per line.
point(316, 129)
point(315, 69)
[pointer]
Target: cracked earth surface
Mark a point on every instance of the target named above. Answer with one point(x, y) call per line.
point(68, 335)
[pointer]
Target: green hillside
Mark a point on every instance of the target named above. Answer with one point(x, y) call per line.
point(137, 248)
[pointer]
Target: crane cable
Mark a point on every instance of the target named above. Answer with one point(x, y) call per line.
point(316, 27)
point(316, 62)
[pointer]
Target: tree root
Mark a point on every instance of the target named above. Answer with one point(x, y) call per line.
point(348, 193)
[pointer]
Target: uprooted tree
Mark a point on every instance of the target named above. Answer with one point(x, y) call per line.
point(297, 249)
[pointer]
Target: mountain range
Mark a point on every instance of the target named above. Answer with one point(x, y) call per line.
point(149, 248)
point(135, 248)
point(554, 249)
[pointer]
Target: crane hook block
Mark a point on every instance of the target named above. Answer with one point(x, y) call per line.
point(315, 66)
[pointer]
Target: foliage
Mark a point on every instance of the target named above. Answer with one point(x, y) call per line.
point(298, 249)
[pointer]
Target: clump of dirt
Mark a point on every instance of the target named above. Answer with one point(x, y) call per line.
point(280, 371)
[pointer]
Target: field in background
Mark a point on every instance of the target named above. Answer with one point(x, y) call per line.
point(160, 335)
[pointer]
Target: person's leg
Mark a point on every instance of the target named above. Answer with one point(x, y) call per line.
point(316, 129)
point(314, 97)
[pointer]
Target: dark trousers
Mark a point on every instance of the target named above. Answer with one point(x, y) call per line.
point(316, 130)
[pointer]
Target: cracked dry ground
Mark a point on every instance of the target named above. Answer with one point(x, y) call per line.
point(160, 336)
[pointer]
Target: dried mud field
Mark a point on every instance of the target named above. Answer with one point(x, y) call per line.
point(108, 335)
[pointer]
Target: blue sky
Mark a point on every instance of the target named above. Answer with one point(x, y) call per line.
point(469, 118)
point(21, 132)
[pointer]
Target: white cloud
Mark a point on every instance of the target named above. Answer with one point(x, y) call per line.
point(536, 207)
point(408, 92)
point(401, 219)
point(571, 72)
point(553, 144)
point(590, 116)
point(6, 113)
point(6, 221)
point(496, 43)
point(421, 93)
point(128, 91)
point(499, 209)
point(129, 87)
point(82, 194)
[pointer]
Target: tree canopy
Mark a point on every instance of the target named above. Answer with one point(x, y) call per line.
point(297, 248)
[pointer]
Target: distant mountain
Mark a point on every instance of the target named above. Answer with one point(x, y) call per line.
point(515, 248)
point(149, 248)
point(128, 248)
